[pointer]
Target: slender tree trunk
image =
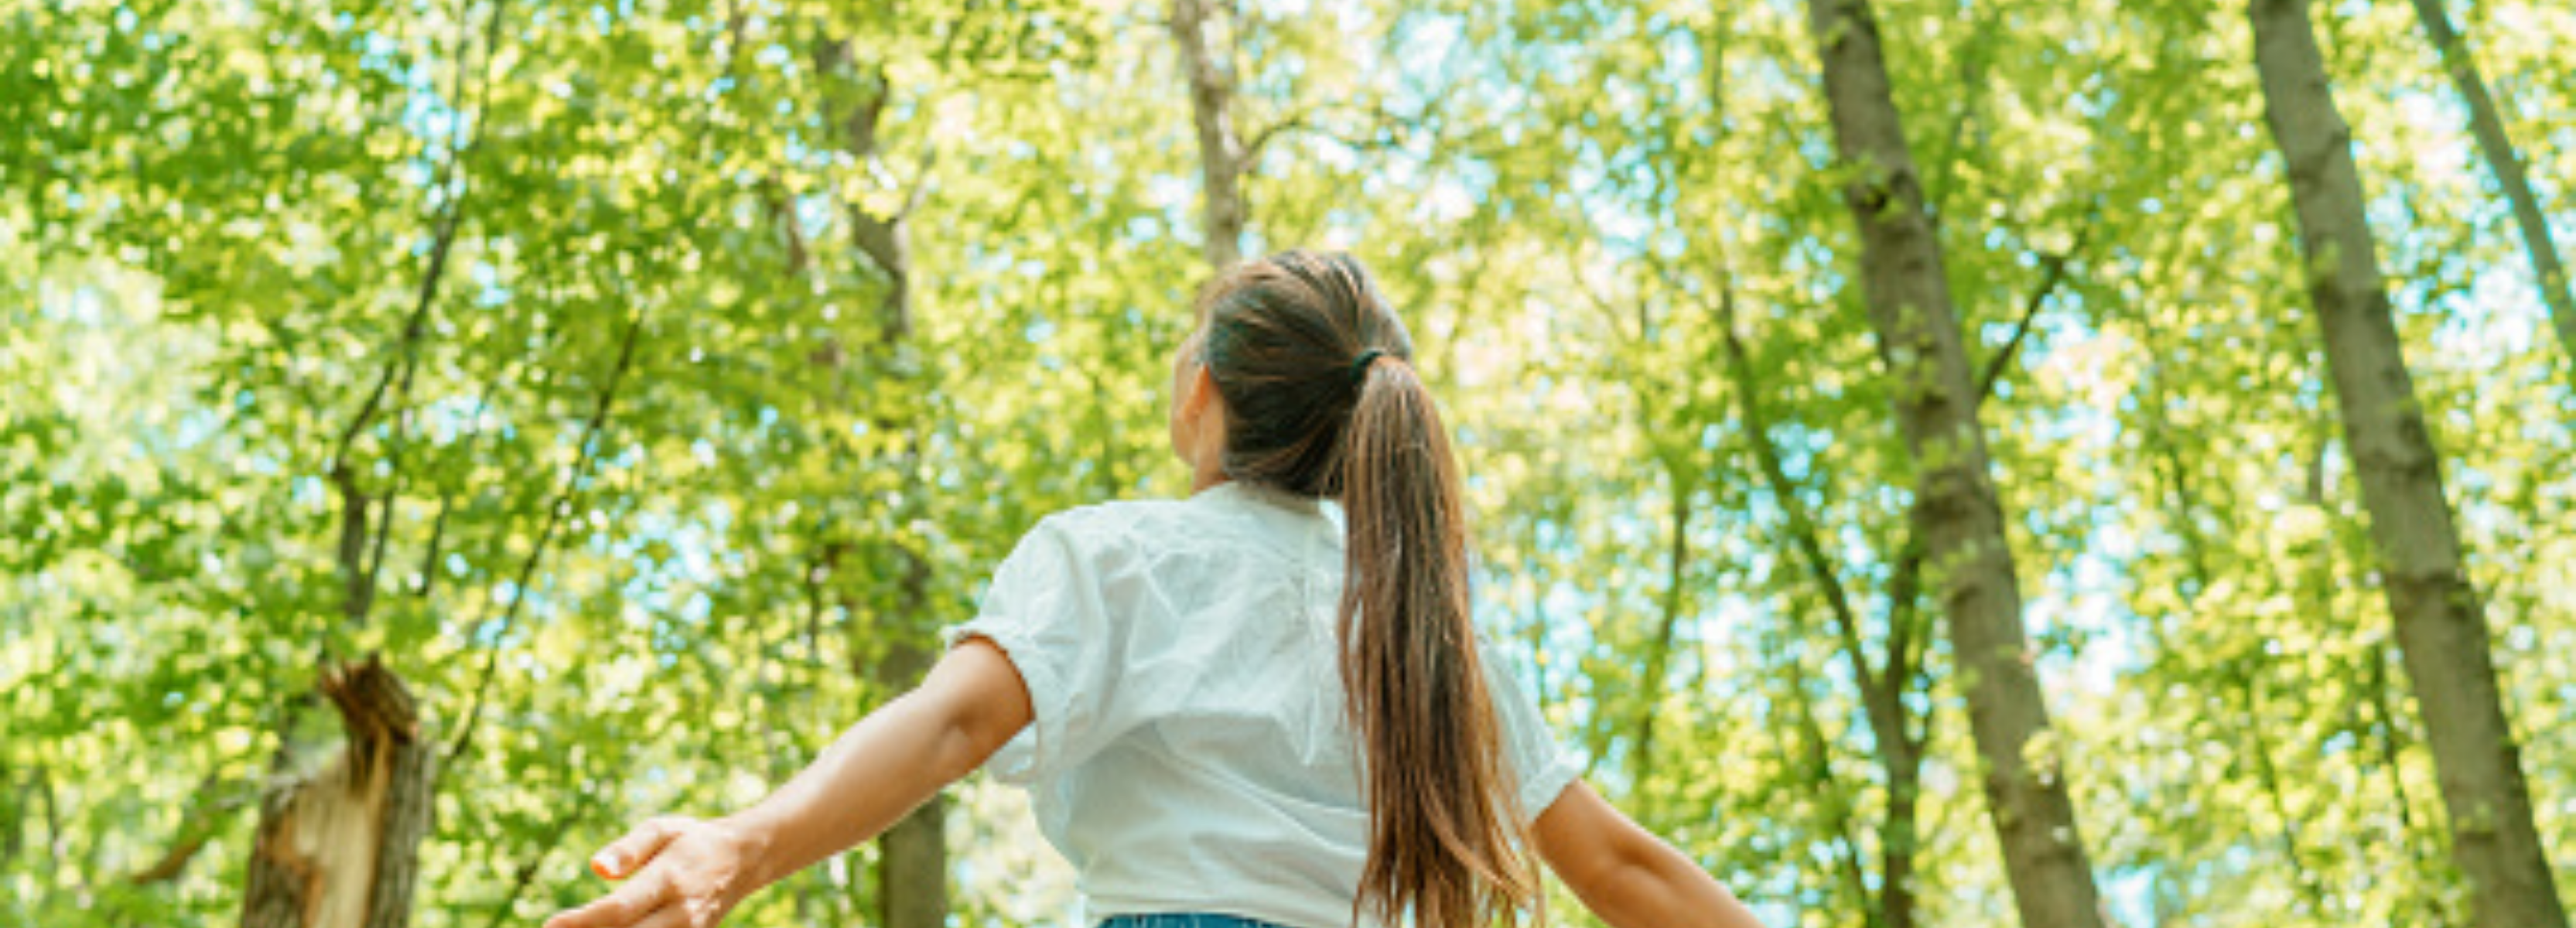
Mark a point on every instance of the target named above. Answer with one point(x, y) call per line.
point(2440, 618)
point(1958, 515)
point(912, 863)
point(1659, 660)
point(2488, 126)
point(1897, 841)
point(1896, 742)
point(1220, 150)
point(912, 856)
point(1898, 739)
point(339, 848)
point(1814, 753)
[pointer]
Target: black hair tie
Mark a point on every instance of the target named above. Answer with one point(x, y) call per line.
point(1360, 368)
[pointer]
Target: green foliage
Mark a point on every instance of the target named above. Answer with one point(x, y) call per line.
point(598, 267)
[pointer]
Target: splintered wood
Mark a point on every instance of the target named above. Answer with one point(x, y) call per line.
point(337, 848)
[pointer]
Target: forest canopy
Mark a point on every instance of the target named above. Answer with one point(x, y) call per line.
point(1940, 463)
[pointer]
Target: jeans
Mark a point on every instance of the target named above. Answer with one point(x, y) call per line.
point(1183, 921)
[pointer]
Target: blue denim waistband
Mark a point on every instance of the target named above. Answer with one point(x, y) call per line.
point(1183, 920)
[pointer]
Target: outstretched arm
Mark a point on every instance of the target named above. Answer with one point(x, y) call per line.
point(686, 873)
point(1626, 875)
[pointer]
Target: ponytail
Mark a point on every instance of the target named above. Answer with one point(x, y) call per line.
point(1321, 401)
point(1446, 837)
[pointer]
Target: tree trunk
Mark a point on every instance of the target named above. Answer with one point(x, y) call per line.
point(2497, 147)
point(912, 856)
point(340, 847)
point(1659, 660)
point(2441, 625)
point(1957, 515)
point(1897, 842)
point(1220, 151)
point(912, 863)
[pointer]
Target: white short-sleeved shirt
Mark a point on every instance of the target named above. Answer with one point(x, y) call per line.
point(1189, 752)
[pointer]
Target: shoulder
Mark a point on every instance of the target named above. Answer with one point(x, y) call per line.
point(1111, 533)
point(1110, 524)
point(1112, 516)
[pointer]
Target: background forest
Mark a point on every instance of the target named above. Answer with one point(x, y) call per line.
point(1943, 463)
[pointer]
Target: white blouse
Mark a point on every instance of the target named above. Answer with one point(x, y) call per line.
point(1189, 752)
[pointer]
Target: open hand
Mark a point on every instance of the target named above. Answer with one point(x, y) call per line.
point(678, 873)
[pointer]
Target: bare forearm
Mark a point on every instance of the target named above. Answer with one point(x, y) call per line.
point(871, 776)
point(1627, 876)
point(1664, 889)
point(875, 773)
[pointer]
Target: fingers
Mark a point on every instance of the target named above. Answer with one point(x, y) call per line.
point(669, 916)
point(628, 907)
point(622, 857)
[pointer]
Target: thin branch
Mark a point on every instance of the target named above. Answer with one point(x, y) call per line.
point(1804, 534)
point(529, 868)
point(1292, 122)
point(1377, 118)
point(2248, 698)
point(1909, 637)
point(456, 183)
point(563, 503)
point(1837, 802)
point(447, 500)
point(1905, 615)
point(44, 787)
point(352, 553)
point(1972, 64)
point(589, 449)
point(2052, 273)
point(1602, 304)
point(1676, 599)
point(920, 183)
point(413, 325)
point(364, 592)
point(204, 819)
point(384, 530)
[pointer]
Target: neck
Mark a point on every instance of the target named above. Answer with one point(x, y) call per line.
point(1207, 473)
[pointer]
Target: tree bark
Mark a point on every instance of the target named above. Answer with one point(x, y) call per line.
point(1957, 515)
point(1220, 150)
point(2497, 147)
point(339, 848)
point(2441, 625)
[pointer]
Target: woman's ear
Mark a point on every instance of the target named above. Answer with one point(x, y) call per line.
point(1200, 394)
point(1204, 410)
